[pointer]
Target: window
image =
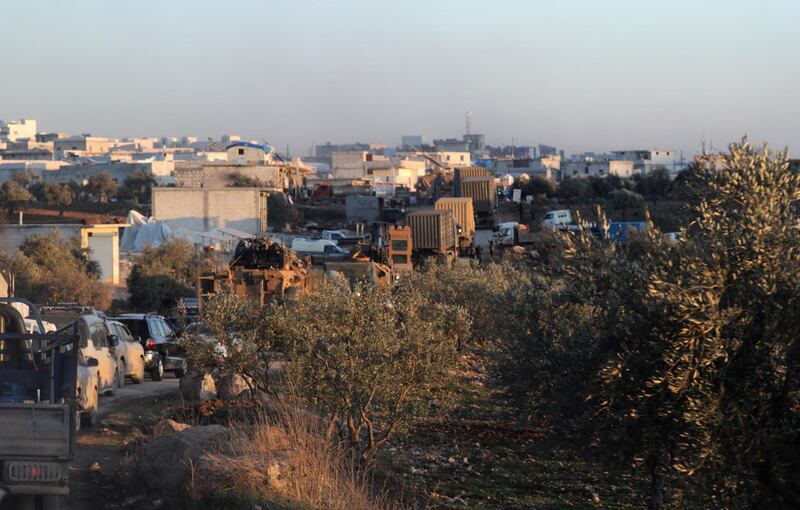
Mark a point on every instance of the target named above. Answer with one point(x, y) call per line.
point(155, 328)
point(99, 335)
point(241, 152)
point(462, 158)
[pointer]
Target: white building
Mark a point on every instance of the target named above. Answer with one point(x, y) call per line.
point(548, 166)
point(17, 130)
point(83, 145)
point(589, 167)
point(246, 153)
point(645, 160)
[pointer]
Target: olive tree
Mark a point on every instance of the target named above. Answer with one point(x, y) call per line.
point(372, 359)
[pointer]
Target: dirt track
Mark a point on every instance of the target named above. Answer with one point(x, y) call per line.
point(99, 450)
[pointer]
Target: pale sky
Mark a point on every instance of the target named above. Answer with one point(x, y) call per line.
point(581, 75)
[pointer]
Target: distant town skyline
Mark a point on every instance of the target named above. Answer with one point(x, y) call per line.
point(579, 75)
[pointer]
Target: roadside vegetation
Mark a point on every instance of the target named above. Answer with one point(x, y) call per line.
point(652, 373)
point(50, 270)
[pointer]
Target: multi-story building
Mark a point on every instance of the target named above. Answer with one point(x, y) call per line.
point(645, 160)
point(14, 130)
point(83, 145)
point(549, 166)
point(590, 167)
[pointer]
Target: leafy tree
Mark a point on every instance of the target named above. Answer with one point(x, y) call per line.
point(540, 185)
point(24, 179)
point(102, 187)
point(59, 195)
point(625, 200)
point(372, 359)
point(138, 186)
point(280, 211)
point(602, 186)
point(573, 188)
point(13, 195)
point(160, 275)
point(657, 183)
point(50, 270)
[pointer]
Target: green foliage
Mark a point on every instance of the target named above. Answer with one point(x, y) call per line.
point(684, 358)
point(538, 185)
point(280, 212)
point(573, 188)
point(602, 186)
point(371, 358)
point(102, 187)
point(13, 195)
point(162, 274)
point(59, 195)
point(625, 200)
point(51, 270)
point(138, 187)
point(657, 183)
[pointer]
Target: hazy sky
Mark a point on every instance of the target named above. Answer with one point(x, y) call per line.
point(582, 75)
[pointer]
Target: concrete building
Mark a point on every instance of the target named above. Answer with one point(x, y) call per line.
point(326, 150)
point(246, 153)
point(475, 143)
point(599, 168)
point(549, 167)
point(406, 173)
point(14, 130)
point(451, 159)
point(415, 141)
point(215, 175)
point(202, 209)
point(83, 145)
point(644, 161)
point(118, 170)
point(451, 145)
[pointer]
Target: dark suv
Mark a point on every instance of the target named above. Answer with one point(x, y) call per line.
point(162, 351)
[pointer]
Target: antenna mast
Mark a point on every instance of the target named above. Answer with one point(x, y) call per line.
point(469, 117)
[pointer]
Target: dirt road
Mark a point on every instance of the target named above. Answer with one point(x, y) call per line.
point(100, 450)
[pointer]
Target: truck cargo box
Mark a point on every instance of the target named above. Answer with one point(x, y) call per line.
point(463, 214)
point(468, 171)
point(482, 190)
point(432, 230)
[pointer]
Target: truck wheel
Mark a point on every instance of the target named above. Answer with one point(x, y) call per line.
point(121, 376)
point(158, 371)
point(180, 371)
point(89, 418)
point(49, 502)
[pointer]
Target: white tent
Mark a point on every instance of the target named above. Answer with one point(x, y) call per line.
point(143, 231)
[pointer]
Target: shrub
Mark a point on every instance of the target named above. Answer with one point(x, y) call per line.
point(161, 275)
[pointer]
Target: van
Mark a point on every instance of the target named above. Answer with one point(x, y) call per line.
point(558, 219)
point(320, 250)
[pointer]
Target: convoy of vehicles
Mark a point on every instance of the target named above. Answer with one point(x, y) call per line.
point(130, 353)
point(162, 351)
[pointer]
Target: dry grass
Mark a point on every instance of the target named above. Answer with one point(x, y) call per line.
point(287, 460)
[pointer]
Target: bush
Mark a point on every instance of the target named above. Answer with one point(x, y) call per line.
point(138, 187)
point(625, 200)
point(573, 188)
point(163, 274)
point(51, 270)
point(102, 187)
point(59, 195)
point(540, 185)
point(280, 212)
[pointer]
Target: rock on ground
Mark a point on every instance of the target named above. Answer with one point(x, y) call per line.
point(168, 462)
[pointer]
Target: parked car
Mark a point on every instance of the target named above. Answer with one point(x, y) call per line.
point(96, 341)
point(86, 380)
point(162, 351)
point(201, 331)
point(130, 353)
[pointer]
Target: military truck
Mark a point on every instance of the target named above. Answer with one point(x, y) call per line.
point(433, 234)
point(260, 271)
point(38, 406)
point(464, 216)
